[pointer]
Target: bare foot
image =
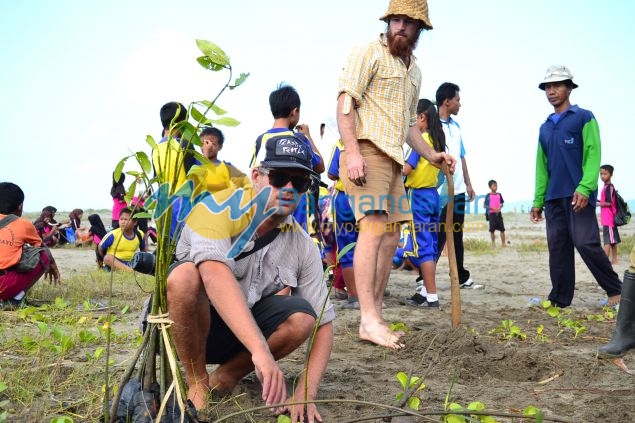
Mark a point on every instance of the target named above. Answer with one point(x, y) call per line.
point(380, 334)
point(219, 384)
point(619, 362)
point(198, 395)
point(614, 300)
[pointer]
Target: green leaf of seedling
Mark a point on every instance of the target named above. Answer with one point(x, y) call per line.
point(86, 336)
point(28, 343)
point(209, 64)
point(345, 250)
point(283, 418)
point(536, 412)
point(399, 326)
point(399, 396)
point(413, 381)
point(125, 309)
point(61, 303)
point(454, 418)
point(226, 121)
point(151, 142)
point(98, 353)
point(213, 107)
point(188, 132)
point(553, 311)
point(455, 407)
point(414, 403)
point(476, 406)
point(213, 52)
point(132, 190)
point(403, 379)
point(198, 116)
point(43, 327)
point(239, 81)
point(579, 331)
point(63, 419)
point(488, 419)
point(545, 304)
point(144, 161)
point(66, 343)
point(3, 387)
point(119, 168)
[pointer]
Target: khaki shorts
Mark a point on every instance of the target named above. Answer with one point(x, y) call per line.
point(383, 191)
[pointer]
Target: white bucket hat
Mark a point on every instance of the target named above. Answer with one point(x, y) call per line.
point(557, 73)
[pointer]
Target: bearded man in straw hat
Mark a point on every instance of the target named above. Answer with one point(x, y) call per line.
point(567, 168)
point(377, 103)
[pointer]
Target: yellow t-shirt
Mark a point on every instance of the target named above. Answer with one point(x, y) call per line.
point(423, 174)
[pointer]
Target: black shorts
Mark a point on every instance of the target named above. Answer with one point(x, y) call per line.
point(269, 313)
point(611, 235)
point(496, 222)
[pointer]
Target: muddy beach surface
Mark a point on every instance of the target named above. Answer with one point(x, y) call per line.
point(549, 367)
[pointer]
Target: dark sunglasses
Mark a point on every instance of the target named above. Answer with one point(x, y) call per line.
point(279, 179)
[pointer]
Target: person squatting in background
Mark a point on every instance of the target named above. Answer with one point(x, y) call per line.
point(15, 233)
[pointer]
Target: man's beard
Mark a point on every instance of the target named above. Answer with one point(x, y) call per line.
point(401, 46)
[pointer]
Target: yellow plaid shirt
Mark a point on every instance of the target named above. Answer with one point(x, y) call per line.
point(385, 95)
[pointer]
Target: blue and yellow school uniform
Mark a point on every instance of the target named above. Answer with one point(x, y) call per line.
point(423, 197)
point(217, 176)
point(117, 244)
point(345, 225)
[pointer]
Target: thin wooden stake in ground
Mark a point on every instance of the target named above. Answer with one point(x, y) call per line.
point(449, 240)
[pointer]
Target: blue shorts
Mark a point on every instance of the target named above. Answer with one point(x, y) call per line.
point(345, 226)
point(421, 245)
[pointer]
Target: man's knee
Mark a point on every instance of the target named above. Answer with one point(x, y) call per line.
point(184, 280)
point(300, 325)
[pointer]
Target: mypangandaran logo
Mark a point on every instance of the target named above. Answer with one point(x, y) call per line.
point(233, 212)
point(236, 208)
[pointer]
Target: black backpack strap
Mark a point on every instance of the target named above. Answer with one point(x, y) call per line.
point(260, 243)
point(7, 220)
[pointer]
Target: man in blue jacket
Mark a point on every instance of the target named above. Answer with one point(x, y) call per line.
point(567, 167)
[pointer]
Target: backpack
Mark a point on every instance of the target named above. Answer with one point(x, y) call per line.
point(623, 213)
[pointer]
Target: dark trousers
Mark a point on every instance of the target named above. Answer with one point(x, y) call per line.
point(457, 232)
point(566, 230)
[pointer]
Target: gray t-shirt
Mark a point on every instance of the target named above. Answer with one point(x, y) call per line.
point(291, 259)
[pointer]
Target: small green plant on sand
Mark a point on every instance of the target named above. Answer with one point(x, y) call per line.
point(565, 319)
point(399, 326)
point(410, 385)
point(508, 330)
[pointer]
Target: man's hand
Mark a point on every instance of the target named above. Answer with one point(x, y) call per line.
point(445, 157)
point(579, 201)
point(297, 411)
point(304, 128)
point(535, 214)
point(470, 192)
point(274, 390)
point(356, 168)
point(53, 274)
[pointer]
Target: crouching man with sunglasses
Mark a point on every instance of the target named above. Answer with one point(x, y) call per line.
point(245, 312)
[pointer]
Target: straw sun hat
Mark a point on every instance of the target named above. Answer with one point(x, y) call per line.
point(414, 9)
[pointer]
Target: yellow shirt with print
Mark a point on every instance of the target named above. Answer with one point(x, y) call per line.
point(424, 174)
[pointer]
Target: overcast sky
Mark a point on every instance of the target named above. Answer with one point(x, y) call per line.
point(82, 82)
